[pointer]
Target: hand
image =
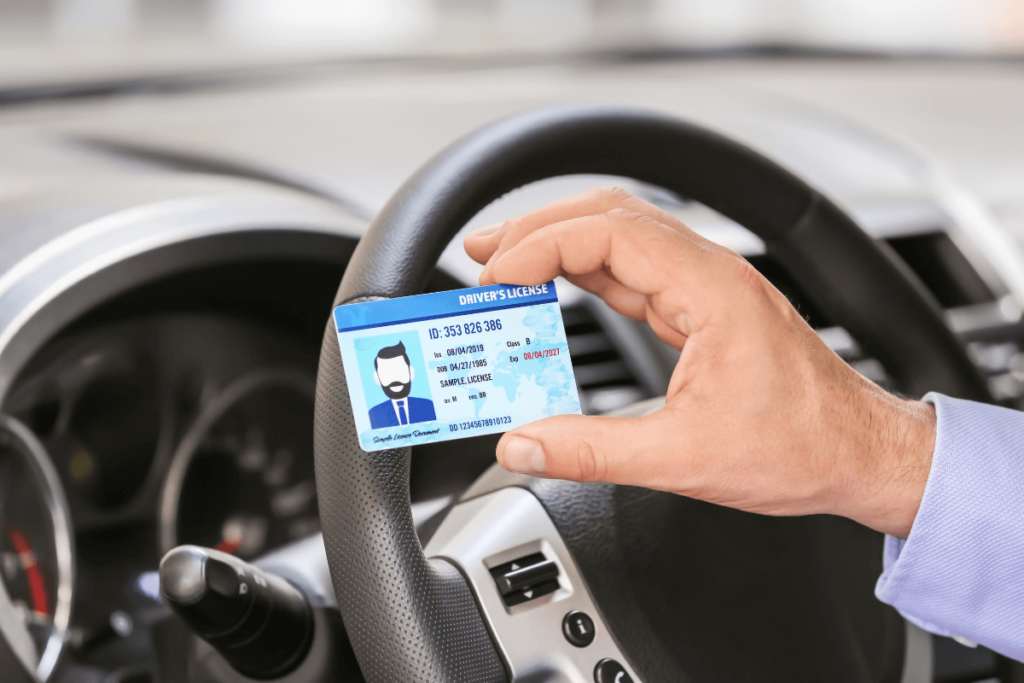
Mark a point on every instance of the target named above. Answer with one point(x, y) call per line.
point(760, 415)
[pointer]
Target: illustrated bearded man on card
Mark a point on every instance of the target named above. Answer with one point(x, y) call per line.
point(394, 373)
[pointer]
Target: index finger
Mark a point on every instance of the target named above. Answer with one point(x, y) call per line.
point(487, 244)
point(682, 277)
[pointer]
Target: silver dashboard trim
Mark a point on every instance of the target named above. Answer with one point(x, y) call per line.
point(918, 656)
point(120, 245)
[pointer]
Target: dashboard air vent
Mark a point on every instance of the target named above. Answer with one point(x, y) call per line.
point(603, 377)
point(992, 329)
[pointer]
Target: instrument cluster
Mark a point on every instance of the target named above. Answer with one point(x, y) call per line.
point(120, 441)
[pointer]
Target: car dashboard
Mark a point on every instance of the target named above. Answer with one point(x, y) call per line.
point(165, 281)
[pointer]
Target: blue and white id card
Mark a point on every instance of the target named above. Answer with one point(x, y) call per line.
point(455, 364)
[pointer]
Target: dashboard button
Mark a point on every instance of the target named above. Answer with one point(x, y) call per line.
point(525, 577)
point(610, 671)
point(578, 628)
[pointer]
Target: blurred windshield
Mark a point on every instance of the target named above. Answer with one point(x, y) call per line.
point(60, 40)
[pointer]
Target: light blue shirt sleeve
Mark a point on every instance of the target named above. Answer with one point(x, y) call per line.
point(960, 572)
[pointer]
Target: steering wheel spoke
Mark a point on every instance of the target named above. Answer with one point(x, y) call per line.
point(547, 627)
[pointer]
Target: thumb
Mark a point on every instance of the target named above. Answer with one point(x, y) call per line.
point(580, 448)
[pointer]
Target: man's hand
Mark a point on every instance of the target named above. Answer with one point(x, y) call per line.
point(760, 414)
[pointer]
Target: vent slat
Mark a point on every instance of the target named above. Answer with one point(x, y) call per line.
point(589, 343)
point(603, 374)
point(573, 317)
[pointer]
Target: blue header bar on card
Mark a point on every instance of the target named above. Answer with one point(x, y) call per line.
point(412, 309)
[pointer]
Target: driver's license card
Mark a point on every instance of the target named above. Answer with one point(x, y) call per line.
point(455, 364)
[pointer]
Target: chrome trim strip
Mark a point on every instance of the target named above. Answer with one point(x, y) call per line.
point(63, 539)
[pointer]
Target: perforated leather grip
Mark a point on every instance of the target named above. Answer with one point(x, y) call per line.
point(411, 620)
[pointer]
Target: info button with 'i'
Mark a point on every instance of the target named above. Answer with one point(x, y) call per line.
point(578, 628)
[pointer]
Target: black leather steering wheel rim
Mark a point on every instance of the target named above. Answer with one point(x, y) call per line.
point(411, 619)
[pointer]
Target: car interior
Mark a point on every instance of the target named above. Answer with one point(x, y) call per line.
point(183, 497)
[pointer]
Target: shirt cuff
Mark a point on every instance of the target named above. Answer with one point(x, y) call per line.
point(959, 571)
point(893, 575)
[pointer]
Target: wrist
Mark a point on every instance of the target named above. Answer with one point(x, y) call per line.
point(892, 462)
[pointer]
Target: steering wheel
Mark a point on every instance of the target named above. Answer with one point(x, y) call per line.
point(676, 589)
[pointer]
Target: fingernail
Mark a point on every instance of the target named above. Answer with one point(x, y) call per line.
point(486, 230)
point(524, 456)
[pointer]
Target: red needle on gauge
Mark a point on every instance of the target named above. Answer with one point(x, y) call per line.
point(229, 545)
point(40, 601)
